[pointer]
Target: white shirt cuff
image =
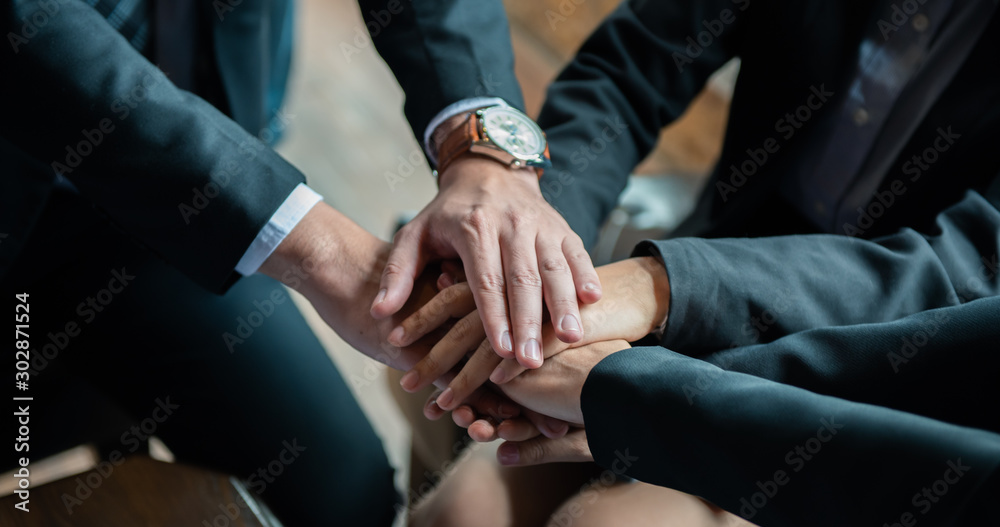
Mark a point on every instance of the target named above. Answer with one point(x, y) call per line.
point(288, 215)
point(455, 108)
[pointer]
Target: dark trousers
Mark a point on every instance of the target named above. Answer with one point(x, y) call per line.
point(114, 324)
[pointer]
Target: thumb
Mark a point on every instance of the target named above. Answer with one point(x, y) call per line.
point(404, 264)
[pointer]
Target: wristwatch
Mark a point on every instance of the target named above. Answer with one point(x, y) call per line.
point(498, 132)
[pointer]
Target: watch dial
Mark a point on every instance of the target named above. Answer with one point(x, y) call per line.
point(514, 132)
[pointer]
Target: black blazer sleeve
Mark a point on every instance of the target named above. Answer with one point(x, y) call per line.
point(443, 51)
point(738, 292)
point(895, 340)
point(779, 454)
point(166, 166)
point(636, 74)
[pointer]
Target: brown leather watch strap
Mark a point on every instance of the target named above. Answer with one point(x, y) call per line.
point(458, 142)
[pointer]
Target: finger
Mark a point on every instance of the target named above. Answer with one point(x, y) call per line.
point(560, 293)
point(505, 371)
point(448, 351)
point(431, 410)
point(487, 403)
point(571, 448)
point(524, 298)
point(550, 427)
point(464, 416)
point(588, 284)
point(483, 431)
point(453, 268)
point(444, 281)
point(484, 269)
point(453, 302)
point(405, 262)
point(474, 373)
point(519, 429)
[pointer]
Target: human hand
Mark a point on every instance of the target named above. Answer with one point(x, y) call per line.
point(554, 390)
point(485, 427)
point(636, 301)
point(516, 249)
point(336, 265)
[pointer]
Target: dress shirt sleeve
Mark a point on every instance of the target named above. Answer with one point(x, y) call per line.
point(288, 215)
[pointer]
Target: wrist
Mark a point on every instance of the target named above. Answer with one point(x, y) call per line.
point(480, 171)
point(640, 289)
point(660, 299)
point(326, 251)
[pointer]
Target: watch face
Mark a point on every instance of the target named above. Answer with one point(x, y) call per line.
point(514, 132)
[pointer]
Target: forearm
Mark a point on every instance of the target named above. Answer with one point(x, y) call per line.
point(99, 113)
point(443, 52)
point(636, 301)
point(605, 111)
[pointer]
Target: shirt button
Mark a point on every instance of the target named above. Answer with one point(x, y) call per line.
point(860, 116)
point(921, 23)
point(820, 208)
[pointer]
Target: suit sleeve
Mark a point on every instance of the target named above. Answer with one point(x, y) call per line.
point(167, 167)
point(444, 51)
point(737, 292)
point(637, 73)
point(788, 433)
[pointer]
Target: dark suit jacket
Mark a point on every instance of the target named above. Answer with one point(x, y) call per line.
point(163, 153)
point(802, 379)
point(769, 339)
point(604, 112)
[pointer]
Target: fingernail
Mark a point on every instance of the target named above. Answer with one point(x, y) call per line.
point(445, 399)
point(396, 336)
point(507, 454)
point(498, 376)
point(505, 341)
point(590, 287)
point(569, 323)
point(381, 296)
point(532, 351)
point(409, 381)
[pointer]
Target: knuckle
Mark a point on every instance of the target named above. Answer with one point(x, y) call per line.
point(562, 304)
point(416, 323)
point(554, 265)
point(526, 320)
point(476, 222)
point(516, 217)
point(430, 364)
point(534, 451)
point(491, 282)
point(392, 269)
point(461, 329)
point(525, 279)
point(577, 256)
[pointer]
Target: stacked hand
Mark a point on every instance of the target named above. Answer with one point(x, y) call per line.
point(635, 302)
point(517, 253)
point(335, 264)
point(516, 249)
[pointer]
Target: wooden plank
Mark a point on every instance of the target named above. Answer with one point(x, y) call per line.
point(138, 491)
